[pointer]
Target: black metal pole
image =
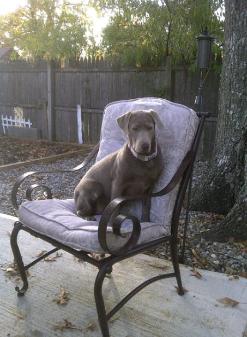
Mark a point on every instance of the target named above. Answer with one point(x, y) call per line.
point(203, 61)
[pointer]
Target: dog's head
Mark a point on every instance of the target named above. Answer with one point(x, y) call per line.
point(140, 127)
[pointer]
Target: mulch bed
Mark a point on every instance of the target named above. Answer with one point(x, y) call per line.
point(14, 150)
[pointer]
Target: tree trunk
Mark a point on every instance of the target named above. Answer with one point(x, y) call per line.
point(223, 188)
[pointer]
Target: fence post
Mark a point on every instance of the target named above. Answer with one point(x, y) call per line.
point(50, 100)
point(79, 125)
point(3, 124)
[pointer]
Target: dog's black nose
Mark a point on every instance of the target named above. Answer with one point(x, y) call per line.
point(145, 147)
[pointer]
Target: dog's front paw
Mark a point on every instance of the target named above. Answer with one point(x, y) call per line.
point(88, 218)
point(97, 256)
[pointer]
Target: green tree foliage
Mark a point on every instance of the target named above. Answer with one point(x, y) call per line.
point(143, 32)
point(46, 29)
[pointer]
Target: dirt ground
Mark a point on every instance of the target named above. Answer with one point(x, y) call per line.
point(14, 150)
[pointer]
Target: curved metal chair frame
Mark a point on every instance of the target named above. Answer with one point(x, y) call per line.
point(130, 249)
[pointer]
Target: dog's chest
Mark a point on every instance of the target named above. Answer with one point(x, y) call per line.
point(139, 170)
point(127, 167)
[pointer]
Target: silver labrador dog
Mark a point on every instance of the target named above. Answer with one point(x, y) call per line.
point(130, 171)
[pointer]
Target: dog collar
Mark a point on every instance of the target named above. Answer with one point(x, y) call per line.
point(142, 156)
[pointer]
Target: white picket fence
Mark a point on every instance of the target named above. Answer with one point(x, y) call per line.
point(13, 121)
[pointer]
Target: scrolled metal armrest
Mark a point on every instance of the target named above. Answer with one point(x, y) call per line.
point(109, 217)
point(30, 189)
point(24, 176)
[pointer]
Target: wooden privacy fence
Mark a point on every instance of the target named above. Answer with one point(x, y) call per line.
point(91, 120)
point(91, 126)
point(49, 96)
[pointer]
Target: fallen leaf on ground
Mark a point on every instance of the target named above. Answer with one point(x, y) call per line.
point(108, 275)
point(233, 277)
point(41, 253)
point(50, 259)
point(114, 318)
point(185, 290)
point(196, 274)
point(53, 258)
point(9, 265)
point(80, 260)
point(10, 269)
point(158, 265)
point(201, 261)
point(97, 256)
point(228, 302)
point(62, 297)
point(91, 326)
point(66, 325)
point(17, 314)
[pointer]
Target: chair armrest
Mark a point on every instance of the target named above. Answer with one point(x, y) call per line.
point(29, 190)
point(188, 160)
point(112, 216)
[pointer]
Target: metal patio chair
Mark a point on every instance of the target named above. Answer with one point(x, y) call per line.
point(55, 221)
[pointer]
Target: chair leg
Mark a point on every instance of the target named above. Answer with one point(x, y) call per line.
point(18, 259)
point(175, 262)
point(100, 301)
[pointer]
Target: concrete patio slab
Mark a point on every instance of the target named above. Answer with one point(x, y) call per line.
point(157, 311)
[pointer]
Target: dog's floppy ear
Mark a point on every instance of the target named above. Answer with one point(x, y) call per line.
point(156, 119)
point(123, 121)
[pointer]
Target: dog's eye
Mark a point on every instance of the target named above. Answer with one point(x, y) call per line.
point(135, 128)
point(149, 128)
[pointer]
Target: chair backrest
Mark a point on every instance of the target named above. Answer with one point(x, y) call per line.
point(175, 139)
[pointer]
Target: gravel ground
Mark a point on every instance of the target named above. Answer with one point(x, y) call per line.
point(62, 184)
point(229, 257)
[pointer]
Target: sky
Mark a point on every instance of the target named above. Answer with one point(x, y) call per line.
point(10, 5)
point(100, 22)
